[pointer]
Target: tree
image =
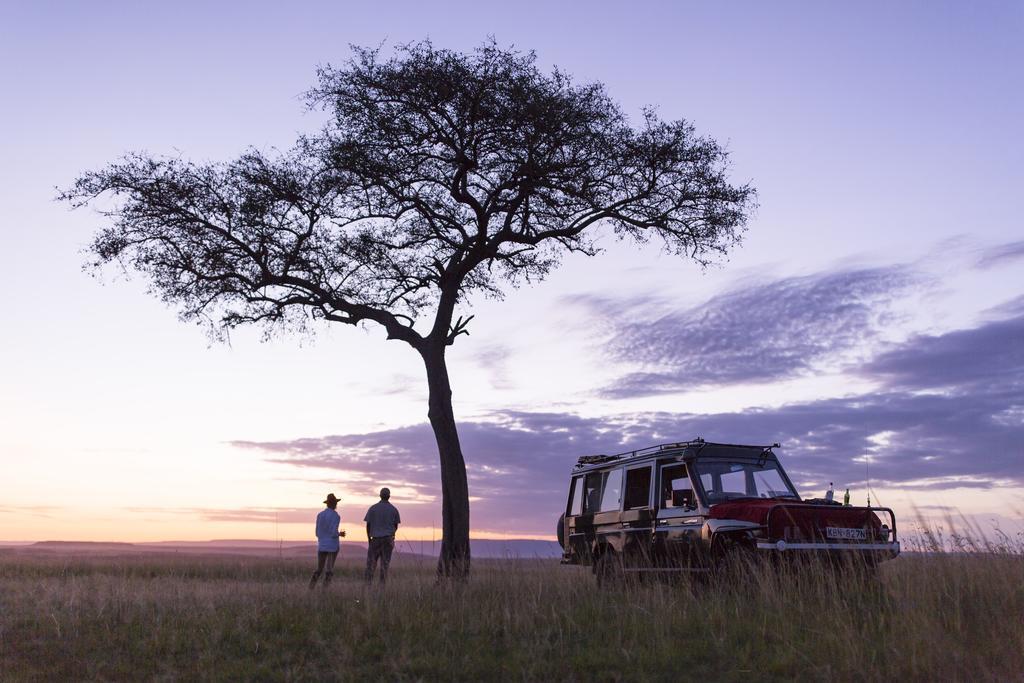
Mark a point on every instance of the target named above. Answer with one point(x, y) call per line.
point(440, 174)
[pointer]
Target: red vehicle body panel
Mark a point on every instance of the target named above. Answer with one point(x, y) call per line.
point(811, 520)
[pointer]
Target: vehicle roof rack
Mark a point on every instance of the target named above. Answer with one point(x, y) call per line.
point(589, 460)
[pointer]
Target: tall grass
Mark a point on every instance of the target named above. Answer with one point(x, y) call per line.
point(936, 615)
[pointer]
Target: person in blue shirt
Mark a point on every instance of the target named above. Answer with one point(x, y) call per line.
point(327, 536)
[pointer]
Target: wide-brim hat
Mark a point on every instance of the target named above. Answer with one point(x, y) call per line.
point(331, 498)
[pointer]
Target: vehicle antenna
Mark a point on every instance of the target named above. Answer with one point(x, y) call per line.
point(867, 476)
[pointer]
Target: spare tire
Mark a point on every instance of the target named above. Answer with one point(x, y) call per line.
point(560, 531)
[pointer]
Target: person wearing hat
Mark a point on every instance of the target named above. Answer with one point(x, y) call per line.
point(382, 522)
point(327, 536)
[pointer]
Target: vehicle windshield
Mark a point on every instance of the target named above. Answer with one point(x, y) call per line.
point(723, 480)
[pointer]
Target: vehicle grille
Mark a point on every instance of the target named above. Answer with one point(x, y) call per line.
point(811, 524)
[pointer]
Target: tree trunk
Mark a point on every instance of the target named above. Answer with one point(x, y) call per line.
point(454, 559)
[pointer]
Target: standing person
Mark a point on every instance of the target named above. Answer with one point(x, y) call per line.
point(382, 522)
point(327, 536)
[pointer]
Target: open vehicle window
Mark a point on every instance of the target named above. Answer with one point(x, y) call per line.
point(676, 489)
point(638, 488)
point(601, 491)
point(724, 480)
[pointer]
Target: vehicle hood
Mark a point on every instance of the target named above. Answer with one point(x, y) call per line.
point(794, 513)
point(747, 509)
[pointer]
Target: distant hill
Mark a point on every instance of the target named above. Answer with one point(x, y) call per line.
point(228, 543)
point(523, 548)
point(479, 547)
point(81, 545)
point(268, 549)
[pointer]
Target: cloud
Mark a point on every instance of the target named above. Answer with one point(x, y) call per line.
point(988, 359)
point(517, 464)
point(277, 515)
point(1013, 307)
point(46, 511)
point(262, 515)
point(1000, 255)
point(493, 359)
point(950, 414)
point(765, 331)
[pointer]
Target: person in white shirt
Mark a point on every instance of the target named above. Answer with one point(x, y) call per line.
point(327, 536)
point(382, 522)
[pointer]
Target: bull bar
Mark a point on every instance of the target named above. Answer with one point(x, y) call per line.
point(891, 548)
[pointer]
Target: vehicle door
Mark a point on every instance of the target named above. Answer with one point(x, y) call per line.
point(638, 509)
point(678, 518)
point(576, 546)
point(599, 503)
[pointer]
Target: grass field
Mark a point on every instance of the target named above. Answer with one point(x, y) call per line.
point(941, 616)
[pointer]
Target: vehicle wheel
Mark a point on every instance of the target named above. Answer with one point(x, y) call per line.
point(608, 570)
point(560, 531)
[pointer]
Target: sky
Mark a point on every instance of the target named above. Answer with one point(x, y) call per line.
point(872, 321)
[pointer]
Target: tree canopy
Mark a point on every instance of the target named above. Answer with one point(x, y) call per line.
point(439, 171)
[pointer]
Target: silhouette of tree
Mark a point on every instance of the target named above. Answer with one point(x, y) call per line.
point(439, 174)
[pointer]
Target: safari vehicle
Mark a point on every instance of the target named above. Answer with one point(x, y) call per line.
point(689, 507)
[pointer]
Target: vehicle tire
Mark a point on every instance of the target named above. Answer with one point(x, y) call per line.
point(560, 531)
point(608, 570)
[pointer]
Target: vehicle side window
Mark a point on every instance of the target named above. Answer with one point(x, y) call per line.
point(610, 499)
point(676, 489)
point(576, 503)
point(708, 482)
point(601, 491)
point(593, 487)
point(638, 488)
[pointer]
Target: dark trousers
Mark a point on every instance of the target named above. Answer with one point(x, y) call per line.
point(324, 560)
point(380, 548)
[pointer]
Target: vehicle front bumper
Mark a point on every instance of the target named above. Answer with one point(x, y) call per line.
point(888, 549)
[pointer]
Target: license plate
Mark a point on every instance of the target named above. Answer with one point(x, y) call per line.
point(845, 534)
